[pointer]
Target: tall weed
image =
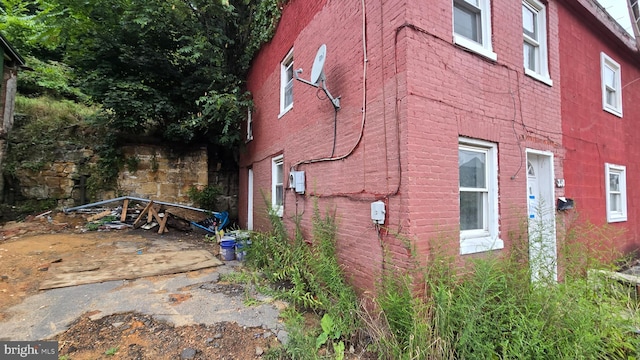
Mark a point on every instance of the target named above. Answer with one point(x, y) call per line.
point(306, 273)
point(490, 309)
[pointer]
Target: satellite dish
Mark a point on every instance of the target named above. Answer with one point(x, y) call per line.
point(317, 71)
point(317, 75)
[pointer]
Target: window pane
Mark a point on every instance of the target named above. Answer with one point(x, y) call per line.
point(289, 72)
point(472, 169)
point(609, 77)
point(279, 193)
point(529, 22)
point(279, 173)
point(288, 94)
point(614, 182)
point(530, 57)
point(611, 98)
point(471, 210)
point(615, 202)
point(467, 23)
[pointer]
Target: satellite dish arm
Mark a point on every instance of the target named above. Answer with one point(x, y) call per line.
point(334, 101)
point(299, 71)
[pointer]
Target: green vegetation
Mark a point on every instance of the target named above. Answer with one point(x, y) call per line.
point(132, 163)
point(307, 275)
point(95, 225)
point(48, 130)
point(111, 351)
point(487, 309)
point(205, 198)
point(490, 309)
point(165, 69)
point(44, 130)
point(113, 71)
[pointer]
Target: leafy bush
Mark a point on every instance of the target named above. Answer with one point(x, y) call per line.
point(206, 198)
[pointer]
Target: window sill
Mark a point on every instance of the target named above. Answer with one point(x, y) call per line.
point(475, 47)
point(616, 219)
point(286, 110)
point(544, 79)
point(613, 111)
point(478, 245)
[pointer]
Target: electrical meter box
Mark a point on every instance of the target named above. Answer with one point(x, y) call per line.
point(377, 212)
point(296, 181)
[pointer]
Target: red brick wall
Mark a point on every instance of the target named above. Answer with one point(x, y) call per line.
point(592, 136)
point(452, 93)
point(422, 92)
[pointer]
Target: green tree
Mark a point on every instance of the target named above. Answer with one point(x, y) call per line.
point(170, 69)
point(25, 24)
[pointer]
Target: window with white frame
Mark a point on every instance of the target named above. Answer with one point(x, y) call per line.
point(472, 26)
point(534, 29)
point(615, 177)
point(277, 185)
point(286, 83)
point(478, 182)
point(249, 124)
point(611, 85)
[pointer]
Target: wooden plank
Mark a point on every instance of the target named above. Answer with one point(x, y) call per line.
point(153, 214)
point(99, 215)
point(125, 207)
point(635, 280)
point(126, 267)
point(137, 223)
point(163, 224)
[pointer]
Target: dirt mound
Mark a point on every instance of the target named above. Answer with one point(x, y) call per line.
point(134, 336)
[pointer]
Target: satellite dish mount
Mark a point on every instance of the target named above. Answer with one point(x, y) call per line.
point(318, 77)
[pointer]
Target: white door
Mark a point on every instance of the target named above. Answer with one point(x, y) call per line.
point(250, 200)
point(541, 212)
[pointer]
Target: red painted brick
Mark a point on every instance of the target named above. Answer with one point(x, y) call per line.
point(422, 93)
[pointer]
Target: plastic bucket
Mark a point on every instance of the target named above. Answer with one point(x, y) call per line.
point(227, 250)
point(241, 250)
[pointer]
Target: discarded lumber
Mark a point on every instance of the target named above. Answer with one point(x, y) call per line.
point(125, 207)
point(99, 215)
point(137, 223)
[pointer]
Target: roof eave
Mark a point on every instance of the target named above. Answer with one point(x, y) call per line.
point(9, 50)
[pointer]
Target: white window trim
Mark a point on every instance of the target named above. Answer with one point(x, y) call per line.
point(284, 65)
point(622, 171)
point(485, 48)
point(249, 125)
point(605, 60)
point(475, 241)
point(543, 72)
point(278, 160)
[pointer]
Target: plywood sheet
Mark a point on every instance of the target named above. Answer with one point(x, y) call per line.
point(126, 267)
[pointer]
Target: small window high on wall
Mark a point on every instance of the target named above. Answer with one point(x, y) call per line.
point(286, 83)
point(611, 85)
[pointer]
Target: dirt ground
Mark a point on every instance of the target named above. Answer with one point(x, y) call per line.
point(28, 248)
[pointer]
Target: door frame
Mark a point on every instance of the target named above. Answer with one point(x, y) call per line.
point(250, 199)
point(547, 188)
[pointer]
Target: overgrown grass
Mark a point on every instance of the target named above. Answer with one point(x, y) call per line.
point(487, 309)
point(490, 309)
point(48, 129)
point(43, 127)
point(306, 273)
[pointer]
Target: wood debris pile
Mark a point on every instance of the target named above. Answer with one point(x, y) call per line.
point(129, 212)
